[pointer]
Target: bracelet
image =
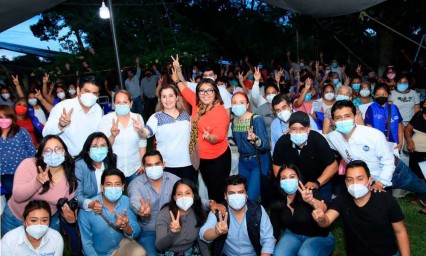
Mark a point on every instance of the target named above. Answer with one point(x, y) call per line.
point(317, 183)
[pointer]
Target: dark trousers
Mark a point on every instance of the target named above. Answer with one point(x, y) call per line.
point(214, 172)
point(149, 107)
point(415, 159)
point(187, 172)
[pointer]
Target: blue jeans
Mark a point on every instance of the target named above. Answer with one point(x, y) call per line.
point(249, 168)
point(9, 221)
point(404, 178)
point(291, 244)
point(147, 240)
point(137, 105)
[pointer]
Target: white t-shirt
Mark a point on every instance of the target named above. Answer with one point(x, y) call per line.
point(172, 136)
point(15, 242)
point(369, 145)
point(126, 144)
point(39, 113)
point(405, 103)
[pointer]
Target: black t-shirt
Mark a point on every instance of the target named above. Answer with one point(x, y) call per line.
point(368, 229)
point(314, 157)
point(418, 122)
point(300, 222)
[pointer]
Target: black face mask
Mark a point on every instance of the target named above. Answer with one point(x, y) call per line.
point(372, 80)
point(381, 100)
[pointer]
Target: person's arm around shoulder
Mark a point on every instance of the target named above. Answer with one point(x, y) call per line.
point(402, 238)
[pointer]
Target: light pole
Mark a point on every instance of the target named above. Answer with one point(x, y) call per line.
point(106, 13)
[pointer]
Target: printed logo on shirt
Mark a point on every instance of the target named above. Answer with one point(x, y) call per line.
point(379, 158)
point(47, 254)
point(366, 148)
point(405, 99)
point(348, 156)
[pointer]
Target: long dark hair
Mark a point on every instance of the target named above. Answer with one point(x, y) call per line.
point(35, 205)
point(8, 112)
point(68, 164)
point(200, 215)
point(281, 195)
point(217, 97)
point(110, 160)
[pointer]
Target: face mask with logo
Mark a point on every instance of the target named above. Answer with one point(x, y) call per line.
point(239, 110)
point(402, 87)
point(5, 96)
point(298, 138)
point(289, 185)
point(98, 154)
point(54, 159)
point(32, 102)
point(237, 201)
point(364, 93)
point(154, 172)
point(122, 110)
point(113, 193)
point(284, 115)
point(72, 91)
point(342, 97)
point(61, 95)
point(329, 96)
point(37, 231)
point(5, 123)
point(356, 87)
point(336, 80)
point(21, 110)
point(357, 190)
point(270, 97)
point(88, 99)
point(185, 203)
point(381, 100)
point(345, 126)
point(308, 96)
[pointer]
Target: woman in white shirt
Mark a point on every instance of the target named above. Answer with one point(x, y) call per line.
point(123, 129)
point(34, 237)
point(171, 126)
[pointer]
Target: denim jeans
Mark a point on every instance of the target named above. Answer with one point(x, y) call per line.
point(404, 178)
point(147, 240)
point(137, 105)
point(291, 244)
point(249, 168)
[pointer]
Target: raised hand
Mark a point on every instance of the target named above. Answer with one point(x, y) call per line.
point(308, 84)
point(206, 134)
point(43, 175)
point(222, 225)
point(316, 65)
point(137, 60)
point(306, 193)
point(358, 69)
point(175, 63)
point(122, 220)
point(145, 209)
point(65, 119)
point(251, 136)
point(137, 124)
point(174, 75)
point(175, 224)
point(45, 78)
point(15, 80)
point(38, 95)
point(96, 206)
point(257, 74)
point(240, 76)
point(114, 128)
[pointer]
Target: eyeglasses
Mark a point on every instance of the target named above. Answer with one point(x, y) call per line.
point(204, 92)
point(49, 151)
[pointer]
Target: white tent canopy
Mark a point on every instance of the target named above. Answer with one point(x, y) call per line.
point(324, 8)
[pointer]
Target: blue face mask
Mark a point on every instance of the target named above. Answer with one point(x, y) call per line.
point(239, 110)
point(402, 87)
point(113, 193)
point(289, 185)
point(345, 127)
point(260, 66)
point(233, 83)
point(335, 80)
point(250, 77)
point(298, 138)
point(295, 78)
point(342, 97)
point(98, 154)
point(122, 110)
point(356, 87)
point(308, 96)
point(334, 65)
point(54, 159)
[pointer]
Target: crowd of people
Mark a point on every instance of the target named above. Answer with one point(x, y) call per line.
point(314, 142)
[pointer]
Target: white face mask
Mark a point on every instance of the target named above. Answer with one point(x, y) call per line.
point(37, 231)
point(284, 115)
point(364, 93)
point(32, 102)
point(357, 190)
point(185, 203)
point(329, 96)
point(6, 96)
point(61, 95)
point(270, 97)
point(88, 99)
point(210, 77)
point(72, 91)
point(237, 201)
point(154, 172)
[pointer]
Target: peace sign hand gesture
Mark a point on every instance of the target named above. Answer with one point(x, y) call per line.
point(175, 224)
point(306, 193)
point(176, 63)
point(121, 220)
point(222, 225)
point(45, 78)
point(251, 136)
point(15, 80)
point(114, 128)
point(43, 176)
point(174, 75)
point(145, 209)
point(240, 76)
point(206, 134)
point(257, 74)
point(137, 124)
point(65, 118)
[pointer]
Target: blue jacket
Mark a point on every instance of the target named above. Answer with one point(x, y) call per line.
point(377, 117)
point(87, 187)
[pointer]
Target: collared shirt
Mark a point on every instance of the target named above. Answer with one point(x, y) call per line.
point(133, 85)
point(97, 236)
point(148, 85)
point(238, 241)
point(369, 145)
point(142, 188)
point(278, 128)
point(15, 242)
point(127, 143)
point(82, 125)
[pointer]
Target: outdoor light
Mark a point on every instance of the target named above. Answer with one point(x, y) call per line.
point(104, 11)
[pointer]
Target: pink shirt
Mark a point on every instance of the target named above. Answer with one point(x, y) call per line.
point(27, 188)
